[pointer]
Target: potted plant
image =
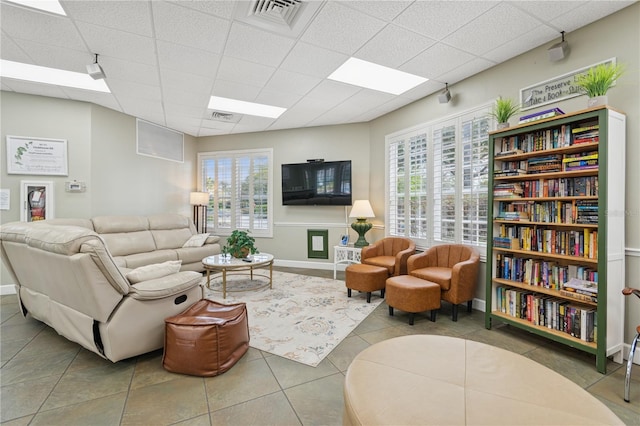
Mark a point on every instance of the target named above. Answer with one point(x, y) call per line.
point(598, 80)
point(240, 244)
point(503, 110)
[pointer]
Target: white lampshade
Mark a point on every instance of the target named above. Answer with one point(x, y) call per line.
point(361, 209)
point(199, 198)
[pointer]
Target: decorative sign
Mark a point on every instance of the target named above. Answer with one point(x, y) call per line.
point(36, 156)
point(554, 90)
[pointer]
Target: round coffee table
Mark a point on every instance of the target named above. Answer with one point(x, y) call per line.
point(223, 265)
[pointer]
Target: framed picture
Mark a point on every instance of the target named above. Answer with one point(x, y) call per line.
point(317, 243)
point(37, 156)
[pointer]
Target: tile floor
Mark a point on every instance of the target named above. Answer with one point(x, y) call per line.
point(47, 380)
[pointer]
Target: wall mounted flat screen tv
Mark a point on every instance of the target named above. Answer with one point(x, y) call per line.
point(317, 183)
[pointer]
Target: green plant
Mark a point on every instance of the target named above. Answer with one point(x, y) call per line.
point(599, 79)
point(240, 244)
point(504, 109)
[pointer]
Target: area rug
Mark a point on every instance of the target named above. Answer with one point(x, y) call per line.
point(303, 318)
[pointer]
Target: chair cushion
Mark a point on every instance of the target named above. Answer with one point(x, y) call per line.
point(436, 274)
point(156, 270)
point(196, 240)
point(388, 262)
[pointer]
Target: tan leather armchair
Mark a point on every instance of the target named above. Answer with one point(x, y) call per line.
point(391, 253)
point(454, 267)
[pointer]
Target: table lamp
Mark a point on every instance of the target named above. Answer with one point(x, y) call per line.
point(361, 211)
point(199, 201)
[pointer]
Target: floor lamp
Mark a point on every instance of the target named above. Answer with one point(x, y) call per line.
point(361, 211)
point(199, 201)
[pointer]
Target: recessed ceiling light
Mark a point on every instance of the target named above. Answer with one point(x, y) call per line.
point(38, 74)
point(377, 77)
point(242, 107)
point(52, 6)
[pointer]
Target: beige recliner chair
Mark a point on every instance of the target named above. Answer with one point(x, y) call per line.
point(391, 253)
point(66, 277)
point(454, 267)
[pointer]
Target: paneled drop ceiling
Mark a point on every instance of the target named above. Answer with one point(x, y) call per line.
point(164, 59)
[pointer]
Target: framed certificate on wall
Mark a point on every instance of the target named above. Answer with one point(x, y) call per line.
point(37, 156)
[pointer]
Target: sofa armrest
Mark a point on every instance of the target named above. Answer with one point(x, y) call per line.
point(401, 260)
point(166, 286)
point(372, 250)
point(466, 273)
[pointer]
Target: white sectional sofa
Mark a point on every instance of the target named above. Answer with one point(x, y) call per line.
point(109, 282)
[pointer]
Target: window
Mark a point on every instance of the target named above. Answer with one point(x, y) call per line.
point(438, 175)
point(240, 190)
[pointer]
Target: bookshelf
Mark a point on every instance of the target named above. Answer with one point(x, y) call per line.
point(555, 253)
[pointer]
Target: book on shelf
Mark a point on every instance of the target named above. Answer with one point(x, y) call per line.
point(548, 113)
point(509, 172)
point(509, 152)
point(587, 128)
point(584, 286)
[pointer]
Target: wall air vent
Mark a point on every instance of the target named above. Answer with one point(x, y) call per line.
point(287, 17)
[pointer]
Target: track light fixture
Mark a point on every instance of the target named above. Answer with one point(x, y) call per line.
point(445, 96)
point(559, 50)
point(95, 70)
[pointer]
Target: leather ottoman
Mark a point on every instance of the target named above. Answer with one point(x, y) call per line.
point(365, 278)
point(412, 294)
point(207, 339)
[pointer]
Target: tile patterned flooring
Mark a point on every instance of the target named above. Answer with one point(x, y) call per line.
point(47, 380)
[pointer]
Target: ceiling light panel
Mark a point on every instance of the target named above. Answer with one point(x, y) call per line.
point(52, 6)
point(242, 107)
point(377, 77)
point(38, 74)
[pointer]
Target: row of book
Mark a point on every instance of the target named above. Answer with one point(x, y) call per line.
point(567, 212)
point(580, 243)
point(543, 273)
point(548, 164)
point(586, 133)
point(581, 161)
point(563, 187)
point(558, 137)
point(548, 311)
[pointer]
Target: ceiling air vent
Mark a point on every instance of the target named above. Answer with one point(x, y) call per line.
point(225, 117)
point(287, 17)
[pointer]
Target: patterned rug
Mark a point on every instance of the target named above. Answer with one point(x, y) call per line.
point(302, 318)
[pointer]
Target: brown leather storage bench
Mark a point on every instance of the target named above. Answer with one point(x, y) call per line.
point(412, 295)
point(207, 339)
point(365, 278)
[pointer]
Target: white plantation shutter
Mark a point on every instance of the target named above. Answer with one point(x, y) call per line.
point(437, 185)
point(240, 183)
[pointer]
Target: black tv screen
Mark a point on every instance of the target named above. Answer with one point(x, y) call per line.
point(317, 183)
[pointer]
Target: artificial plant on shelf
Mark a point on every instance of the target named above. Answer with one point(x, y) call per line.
point(240, 244)
point(597, 81)
point(503, 110)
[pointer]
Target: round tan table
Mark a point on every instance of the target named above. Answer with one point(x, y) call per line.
point(441, 380)
point(228, 265)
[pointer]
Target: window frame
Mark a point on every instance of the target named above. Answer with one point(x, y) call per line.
point(429, 129)
point(234, 155)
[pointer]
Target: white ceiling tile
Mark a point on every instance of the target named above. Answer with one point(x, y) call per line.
point(383, 9)
point(41, 27)
point(235, 90)
point(189, 27)
point(437, 19)
point(12, 52)
point(292, 82)
point(542, 10)
point(430, 64)
point(342, 29)
point(333, 92)
point(142, 91)
point(104, 99)
point(468, 69)
point(425, 89)
point(130, 71)
point(118, 44)
point(223, 9)
point(517, 45)
point(185, 112)
point(312, 60)
point(270, 50)
point(56, 56)
point(393, 46)
point(489, 30)
point(187, 59)
point(277, 98)
point(142, 108)
point(180, 97)
point(218, 125)
point(130, 16)
point(188, 82)
point(240, 71)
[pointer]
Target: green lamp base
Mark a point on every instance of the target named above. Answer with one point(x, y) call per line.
point(361, 226)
